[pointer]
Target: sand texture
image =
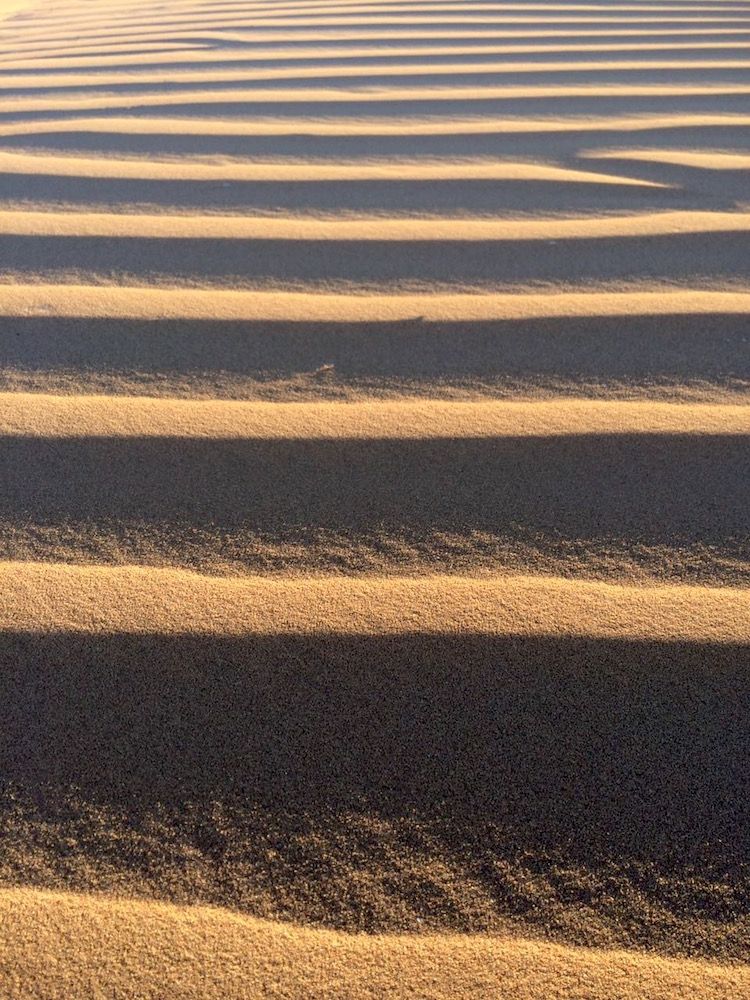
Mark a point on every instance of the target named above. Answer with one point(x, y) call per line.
point(375, 499)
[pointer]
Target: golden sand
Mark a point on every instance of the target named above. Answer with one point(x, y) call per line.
point(81, 301)
point(678, 157)
point(234, 227)
point(149, 950)
point(48, 598)
point(35, 415)
point(392, 125)
point(71, 166)
point(374, 421)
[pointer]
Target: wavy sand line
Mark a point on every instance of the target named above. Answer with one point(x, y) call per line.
point(369, 127)
point(534, 27)
point(261, 12)
point(299, 54)
point(345, 38)
point(91, 301)
point(237, 227)
point(64, 944)
point(272, 96)
point(10, 57)
point(342, 20)
point(186, 169)
point(49, 597)
point(100, 81)
point(294, 9)
point(177, 24)
point(74, 40)
point(708, 160)
point(68, 45)
point(61, 51)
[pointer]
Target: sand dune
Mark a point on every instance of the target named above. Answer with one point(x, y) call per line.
point(375, 449)
point(147, 950)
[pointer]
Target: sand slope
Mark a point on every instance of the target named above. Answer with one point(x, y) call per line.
point(39, 597)
point(374, 524)
point(151, 951)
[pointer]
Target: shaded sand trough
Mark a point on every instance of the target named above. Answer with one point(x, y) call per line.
point(375, 449)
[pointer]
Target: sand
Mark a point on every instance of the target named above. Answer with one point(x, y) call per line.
point(374, 448)
point(46, 598)
point(39, 416)
point(143, 951)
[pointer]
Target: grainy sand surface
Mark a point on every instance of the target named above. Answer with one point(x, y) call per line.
point(375, 499)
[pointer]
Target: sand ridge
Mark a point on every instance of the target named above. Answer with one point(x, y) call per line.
point(377, 127)
point(146, 950)
point(43, 598)
point(227, 227)
point(40, 299)
point(149, 170)
point(35, 415)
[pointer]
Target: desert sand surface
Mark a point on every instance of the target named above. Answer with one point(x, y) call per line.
point(145, 951)
point(374, 518)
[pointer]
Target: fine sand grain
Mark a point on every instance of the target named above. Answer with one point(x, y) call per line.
point(145, 951)
point(374, 522)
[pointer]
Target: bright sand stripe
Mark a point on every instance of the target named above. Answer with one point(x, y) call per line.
point(263, 31)
point(149, 949)
point(395, 126)
point(301, 53)
point(705, 160)
point(10, 58)
point(302, 96)
point(35, 54)
point(94, 301)
point(58, 59)
point(44, 43)
point(67, 59)
point(181, 23)
point(342, 31)
point(292, 12)
point(8, 8)
point(69, 45)
point(234, 227)
point(346, 38)
point(48, 597)
point(45, 416)
point(520, 29)
point(185, 169)
point(413, 20)
point(99, 81)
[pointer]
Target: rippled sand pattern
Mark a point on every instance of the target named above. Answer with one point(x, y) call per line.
point(374, 519)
